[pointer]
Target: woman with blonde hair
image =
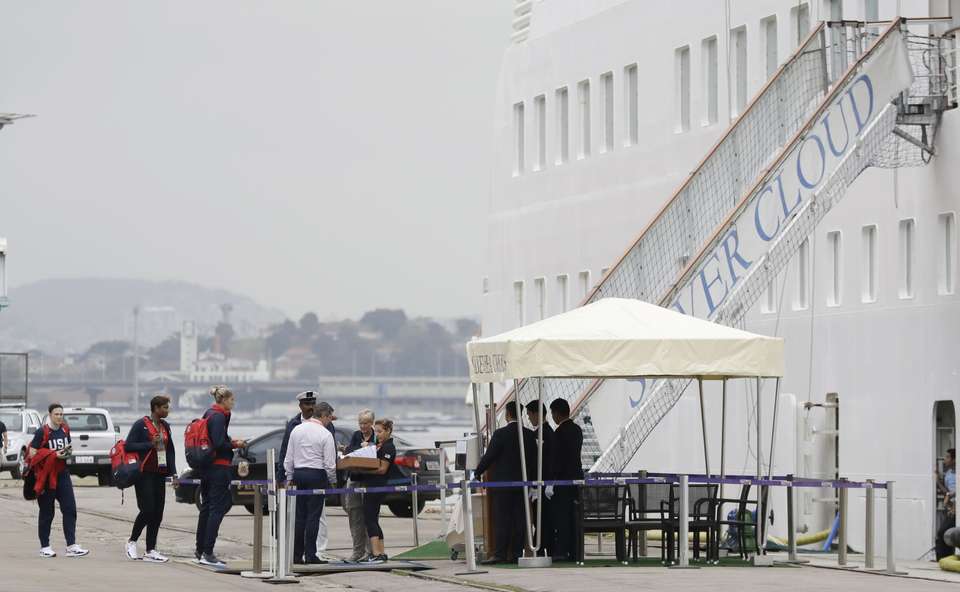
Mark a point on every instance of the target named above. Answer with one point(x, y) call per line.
point(215, 479)
point(386, 454)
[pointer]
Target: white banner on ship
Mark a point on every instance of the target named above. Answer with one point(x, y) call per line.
point(809, 164)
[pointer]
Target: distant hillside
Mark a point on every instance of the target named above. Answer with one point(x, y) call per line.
point(65, 315)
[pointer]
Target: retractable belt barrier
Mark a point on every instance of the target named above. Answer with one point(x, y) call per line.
point(693, 479)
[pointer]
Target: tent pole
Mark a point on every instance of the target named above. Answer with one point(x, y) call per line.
point(773, 440)
point(760, 508)
point(523, 462)
point(703, 427)
point(723, 435)
point(543, 418)
point(476, 413)
point(492, 413)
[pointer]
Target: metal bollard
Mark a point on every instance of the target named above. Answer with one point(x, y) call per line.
point(257, 530)
point(791, 528)
point(291, 528)
point(414, 509)
point(868, 527)
point(891, 501)
point(282, 571)
point(442, 454)
point(468, 530)
point(842, 539)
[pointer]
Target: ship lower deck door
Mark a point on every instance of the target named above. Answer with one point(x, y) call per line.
point(944, 438)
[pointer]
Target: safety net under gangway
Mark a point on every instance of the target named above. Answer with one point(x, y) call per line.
point(849, 97)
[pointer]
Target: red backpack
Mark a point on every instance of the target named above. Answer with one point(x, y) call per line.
point(197, 446)
point(126, 467)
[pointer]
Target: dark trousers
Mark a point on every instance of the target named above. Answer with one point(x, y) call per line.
point(63, 495)
point(309, 508)
point(563, 506)
point(943, 549)
point(548, 536)
point(371, 513)
point(151, 496)
point(509, 521)
point(215, 496)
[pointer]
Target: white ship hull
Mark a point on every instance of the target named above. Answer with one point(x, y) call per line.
point(888, 352)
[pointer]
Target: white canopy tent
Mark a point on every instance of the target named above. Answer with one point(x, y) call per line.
point(619, 338)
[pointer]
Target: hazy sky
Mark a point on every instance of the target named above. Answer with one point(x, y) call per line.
point(318, 155)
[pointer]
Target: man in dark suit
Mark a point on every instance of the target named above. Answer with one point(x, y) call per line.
point(536, 411)
point(566, 447)
point(502, 458)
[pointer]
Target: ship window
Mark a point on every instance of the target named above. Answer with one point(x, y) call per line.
point(518, 303)
point(563, 295)
point(540, 107)
point(540, 287)
point(518, 139)
point(563, 125)
point(606, 87)
point(631, 90)
point(583, 103)
point(800, 19)
point(584, 277)
point(869, 266)
point(770, 298)
point(803, 276)
point(485, 285)
point(769, 27)
point(709, 56)
point(947, 256)
point(833, 9)
point(834, 246)
point(738, 45)
point(907, 252)
point(682, 91)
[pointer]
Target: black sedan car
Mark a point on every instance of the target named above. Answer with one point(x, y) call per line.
point(423, 461)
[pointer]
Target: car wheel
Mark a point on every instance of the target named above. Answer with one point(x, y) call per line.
point(404, 509)
point(104, 478)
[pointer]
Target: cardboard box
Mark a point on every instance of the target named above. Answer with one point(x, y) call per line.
point(352, 463)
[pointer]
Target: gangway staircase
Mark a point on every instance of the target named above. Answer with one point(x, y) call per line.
point(848, 98)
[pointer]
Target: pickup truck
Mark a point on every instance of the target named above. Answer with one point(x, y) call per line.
point(93, 434)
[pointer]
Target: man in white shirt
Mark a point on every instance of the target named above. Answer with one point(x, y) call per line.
point(311, 459)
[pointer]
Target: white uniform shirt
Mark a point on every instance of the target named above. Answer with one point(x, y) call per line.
point(312, 446)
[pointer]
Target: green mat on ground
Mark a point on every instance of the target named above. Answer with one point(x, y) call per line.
point(435, 549)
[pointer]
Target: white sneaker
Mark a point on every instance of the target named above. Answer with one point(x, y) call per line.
point(76, 551)
point(131, 548)
point(156, 557)
point(47, 552)
point(324, 556)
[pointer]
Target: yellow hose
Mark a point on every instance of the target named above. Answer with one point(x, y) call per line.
point(807, 539)
point(950, 563)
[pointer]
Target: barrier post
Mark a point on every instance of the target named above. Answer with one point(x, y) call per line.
point(791, 527)
point(415, 510)
point(442, 455)
point(868, 527)
point(842, 539)
point(891, 501)
point(291, 528)
point(282, 573)
point(468, 540)
point(683, 523)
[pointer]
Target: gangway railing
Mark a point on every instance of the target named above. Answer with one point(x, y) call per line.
point(766, 228)
point(648, 268)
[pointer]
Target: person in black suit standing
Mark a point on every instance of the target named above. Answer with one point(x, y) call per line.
point(501, 462)
point(548, 538)
point(566, 447)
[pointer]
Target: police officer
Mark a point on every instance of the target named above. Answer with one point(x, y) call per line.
point(501, 462)
point(566, 447)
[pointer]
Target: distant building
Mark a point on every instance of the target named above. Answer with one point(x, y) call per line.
point(217, 368)
point(188, 346)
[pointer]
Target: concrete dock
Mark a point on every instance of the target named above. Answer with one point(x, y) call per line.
point(104, 525)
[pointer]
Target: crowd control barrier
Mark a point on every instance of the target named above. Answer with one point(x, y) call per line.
point(282, 501)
